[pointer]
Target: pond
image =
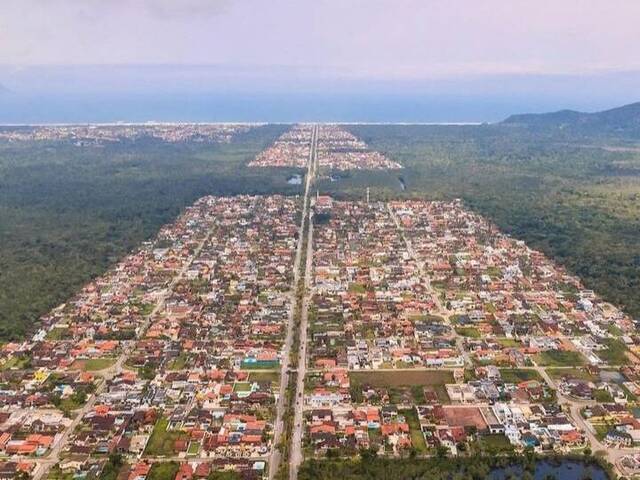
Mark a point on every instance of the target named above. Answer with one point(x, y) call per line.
point(561, 470)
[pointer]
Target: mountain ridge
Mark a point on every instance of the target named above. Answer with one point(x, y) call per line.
point(623, 118)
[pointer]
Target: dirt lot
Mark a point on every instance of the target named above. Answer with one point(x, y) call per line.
point(465, 417)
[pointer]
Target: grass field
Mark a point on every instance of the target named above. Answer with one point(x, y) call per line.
point(178, 363)
point(161, 442)
point(615, 353)
point(516, 375)
point(96, 364)
point(577, 373)
point(16, 361)
point(559, 358)
point(266, 376)
point(417, 438)
point(471, 332)
point(391, 378)
point(495, 442)
point(405, 386)
point(241, 387)
point(163, 471)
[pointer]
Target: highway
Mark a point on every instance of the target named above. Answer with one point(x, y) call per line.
point(45, 463)
point(296, 450)
point(298, 419)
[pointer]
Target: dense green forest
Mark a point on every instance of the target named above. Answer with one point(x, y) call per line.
point(441, 467)
point(68, 212)
point(577, 198)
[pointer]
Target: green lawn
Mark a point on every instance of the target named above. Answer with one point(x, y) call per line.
point(56, 474)
point(241, 387)
point(577, 373)
point(357, 288)
point(471, 332)
point(516, 375)
point(509, 342)
point(404, 384)
point(602, 396)
point(194, 448)
point(559, 358)
point(417, 438)
point(16, 361)
point(495, 442)
point(615, 353)
point(266, 376)
point(390, 378)
point(95, 364)
point(163, 471)
point(58, 333)
point(161, 442)
point(178, 363)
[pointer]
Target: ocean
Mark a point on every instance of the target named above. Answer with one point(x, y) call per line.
point(239, 107)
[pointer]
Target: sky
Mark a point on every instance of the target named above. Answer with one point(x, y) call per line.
point(569, 53)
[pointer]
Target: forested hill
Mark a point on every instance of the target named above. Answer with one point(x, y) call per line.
point(623, 120)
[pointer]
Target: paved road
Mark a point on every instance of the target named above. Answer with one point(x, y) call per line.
point(298, 418)
point(573, 406)
point(281, 405)
point(43, 465)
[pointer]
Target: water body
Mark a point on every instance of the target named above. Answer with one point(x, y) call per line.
point(295, 179)
point(403, 185)
point(236, 107)
point(562, 470)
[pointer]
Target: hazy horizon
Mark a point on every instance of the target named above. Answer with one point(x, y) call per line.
point(326, 60)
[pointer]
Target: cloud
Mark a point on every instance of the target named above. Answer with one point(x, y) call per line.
point(389, 39)
point(165, 9)
point(184, 8)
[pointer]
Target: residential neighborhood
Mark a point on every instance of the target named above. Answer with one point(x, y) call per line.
point(82, 135)
point(416, 326)
point(337, 149)
point(430, 328)
point(174, 354)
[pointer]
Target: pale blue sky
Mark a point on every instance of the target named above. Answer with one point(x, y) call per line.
point(381, 38)
point(522, 54)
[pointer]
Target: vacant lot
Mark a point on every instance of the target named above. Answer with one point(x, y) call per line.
point(162, 441)
point(162, 471)
point(405, 386)
point(615, 353)
point(404, 378)
point(559, 358)
point(495, 442)
point(266, 376)
point(417, 438)
point(465, 417)
point(471, 332)
point(95, 364)
point(516, 375)
point(577, 373)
